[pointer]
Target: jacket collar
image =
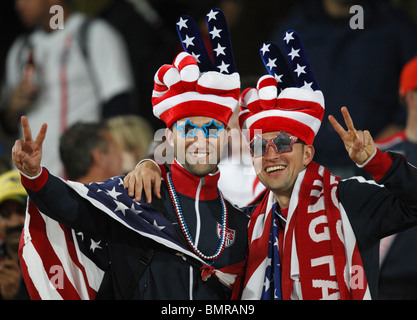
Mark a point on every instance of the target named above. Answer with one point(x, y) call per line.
point(187, 184)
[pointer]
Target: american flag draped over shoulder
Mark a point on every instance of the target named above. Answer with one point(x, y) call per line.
point(57, 262)
point(62, 263)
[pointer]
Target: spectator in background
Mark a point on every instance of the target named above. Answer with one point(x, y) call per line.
point(398, 253)
point(12, 218)
point(366, 61)
point(79, 72)
point(89, 153)
point(134, 136)
point(405, 141)
point(149, 43)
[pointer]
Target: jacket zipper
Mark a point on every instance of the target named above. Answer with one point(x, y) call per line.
point(197, 229)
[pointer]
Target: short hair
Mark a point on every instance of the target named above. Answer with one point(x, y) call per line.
point(77, 144)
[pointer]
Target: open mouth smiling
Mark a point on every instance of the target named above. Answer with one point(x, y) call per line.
point(199, 154)
point(275, 168)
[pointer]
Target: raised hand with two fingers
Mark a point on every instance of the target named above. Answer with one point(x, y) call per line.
point(27, 153)
point(359, 144)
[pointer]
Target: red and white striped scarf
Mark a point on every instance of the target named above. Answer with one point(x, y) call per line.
point(320, 258)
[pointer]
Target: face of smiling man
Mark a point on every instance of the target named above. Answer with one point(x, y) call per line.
point(278, 171)
point(198, 154)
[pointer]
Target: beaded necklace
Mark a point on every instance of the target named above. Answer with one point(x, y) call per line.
point(184, 228)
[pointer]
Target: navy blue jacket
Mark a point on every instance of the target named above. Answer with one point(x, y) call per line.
point(378, 210)
point(398, 271)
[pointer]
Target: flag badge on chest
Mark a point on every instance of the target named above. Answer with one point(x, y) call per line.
point(230, 235)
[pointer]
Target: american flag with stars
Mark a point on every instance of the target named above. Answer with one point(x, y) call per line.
point(59, 263)
point(272, 283)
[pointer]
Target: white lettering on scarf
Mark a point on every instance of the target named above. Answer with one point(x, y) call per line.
point(323, 235)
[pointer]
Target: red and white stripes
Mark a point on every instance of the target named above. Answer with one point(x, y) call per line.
point(180, 90)
point(297, 111)
point(62, 274)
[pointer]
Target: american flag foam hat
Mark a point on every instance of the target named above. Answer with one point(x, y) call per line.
point(194, 85)
point(288, 99)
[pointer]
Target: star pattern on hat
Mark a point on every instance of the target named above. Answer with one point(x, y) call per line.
point(219, 50)
point(196, 56)
point(212, 15)
point(265, 48)
point(278, 77)
point(288, 37)
point(283, 97)
point(299, 70)
point(294, 53)
point(182, 23)
point(274, 64)
point(295, 71)
point(215, 32)
point(224, 67)
point(188, 41)
point(207, 70)
point(193, 42)
point(271, 63)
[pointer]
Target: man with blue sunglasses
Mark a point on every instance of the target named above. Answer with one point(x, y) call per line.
point(190, 129)
point(199, 143)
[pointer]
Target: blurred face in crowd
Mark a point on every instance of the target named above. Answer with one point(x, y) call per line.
point(278, 171)
point(32, 13)
point(198, 142)
point(12, 220)
point(111, 158)
point(340, 8)
point(36, 13)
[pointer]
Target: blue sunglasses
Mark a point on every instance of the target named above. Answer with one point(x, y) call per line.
point(189, 129)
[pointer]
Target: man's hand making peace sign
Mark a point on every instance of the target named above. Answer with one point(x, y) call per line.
point(27, 153)
point(359, 144)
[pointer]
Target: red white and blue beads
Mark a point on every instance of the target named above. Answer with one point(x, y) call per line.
point(184, 228)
